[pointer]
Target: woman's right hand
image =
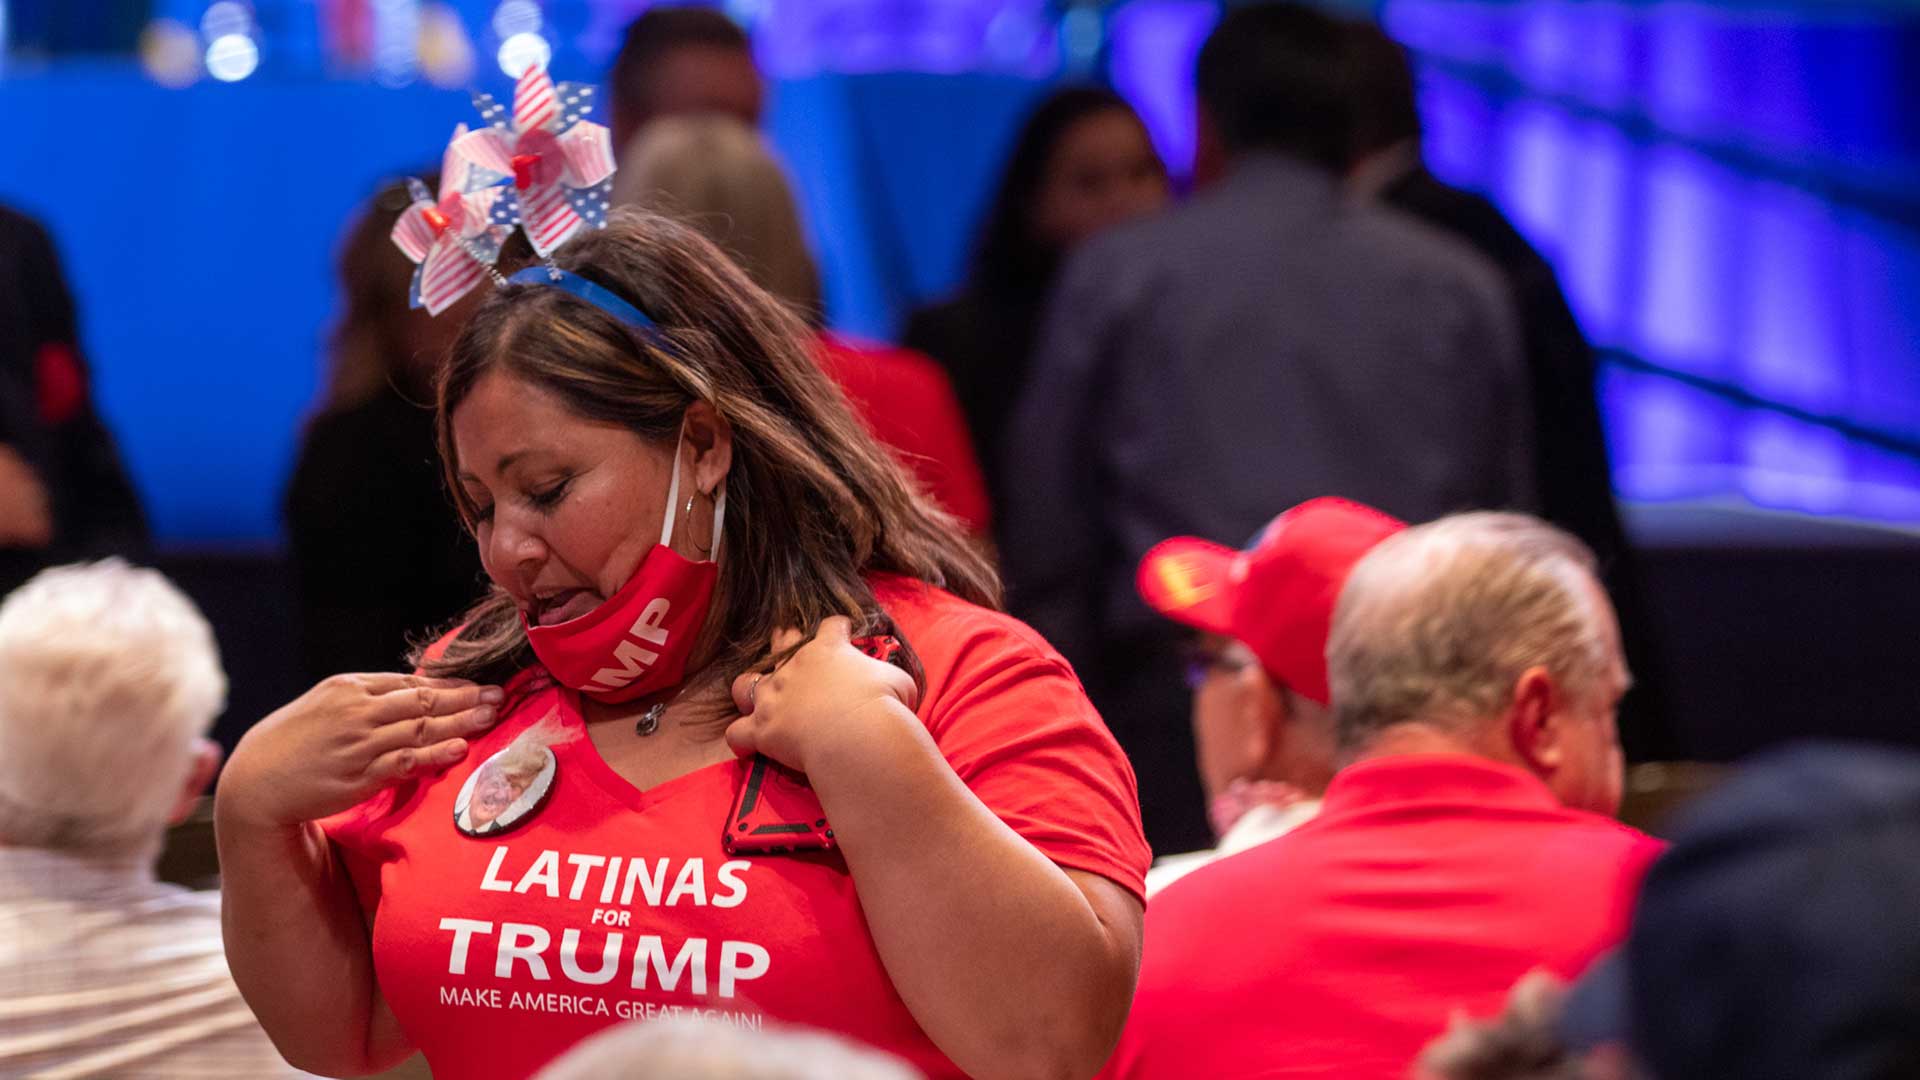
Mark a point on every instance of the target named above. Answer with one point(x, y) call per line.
point(347, 738)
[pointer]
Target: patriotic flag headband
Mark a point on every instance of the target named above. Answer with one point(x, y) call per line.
point(545, 170)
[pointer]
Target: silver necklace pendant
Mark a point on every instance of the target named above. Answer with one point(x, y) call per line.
point(649, 721)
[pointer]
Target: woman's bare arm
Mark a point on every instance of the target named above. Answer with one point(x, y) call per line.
point(298, 948)
point(296, 940)
point(1014, 966)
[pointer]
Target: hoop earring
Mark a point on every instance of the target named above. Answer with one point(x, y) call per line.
point(708, 548)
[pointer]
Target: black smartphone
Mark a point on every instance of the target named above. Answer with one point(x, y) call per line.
point(776, 811)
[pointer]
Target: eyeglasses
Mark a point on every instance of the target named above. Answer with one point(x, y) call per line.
point(1202, 661)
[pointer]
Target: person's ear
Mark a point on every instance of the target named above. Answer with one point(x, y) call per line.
point(710, 438)
point(1533, 722)
point(1263, 724)
point(204, 763)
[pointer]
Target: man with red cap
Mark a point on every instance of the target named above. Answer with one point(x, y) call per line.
point(1475, 669)
point(1261, 725)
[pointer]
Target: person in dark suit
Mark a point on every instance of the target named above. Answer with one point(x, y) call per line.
point(64, 494)
point(1263, 344)
point(379, 556)
point(1571, 463)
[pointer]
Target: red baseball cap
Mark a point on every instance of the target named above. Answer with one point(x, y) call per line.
point(1275, 597)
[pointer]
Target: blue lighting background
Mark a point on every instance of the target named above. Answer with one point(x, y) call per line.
point(1732, 195)
point(1730, 190)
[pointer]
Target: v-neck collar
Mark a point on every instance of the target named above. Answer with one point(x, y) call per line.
point(581, 754)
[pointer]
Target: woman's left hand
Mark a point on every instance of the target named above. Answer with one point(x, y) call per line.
point(828, 693)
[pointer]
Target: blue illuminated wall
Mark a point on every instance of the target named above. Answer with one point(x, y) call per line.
point(1728, 189)
point(1732, 195)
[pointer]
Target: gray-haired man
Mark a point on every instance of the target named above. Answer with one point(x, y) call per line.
point(1475, 669)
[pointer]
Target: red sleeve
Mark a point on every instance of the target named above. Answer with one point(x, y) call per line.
point(947, 464)
point(355, 839)
point(908, 403)
point(1014, 723)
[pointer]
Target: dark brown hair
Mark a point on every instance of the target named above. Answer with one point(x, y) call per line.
point(1386, 108)
point(658, 31)
point(368, 346)
point(1273, 76)
point(813, 502)
point(1011, 260)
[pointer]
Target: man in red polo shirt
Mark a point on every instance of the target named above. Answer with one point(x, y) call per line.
point(1475, 668)
point(1262, 728)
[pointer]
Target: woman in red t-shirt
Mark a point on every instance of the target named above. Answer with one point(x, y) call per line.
point(722, 177)
point(523, 844)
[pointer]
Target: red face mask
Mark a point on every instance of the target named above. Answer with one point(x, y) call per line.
point(638, 641)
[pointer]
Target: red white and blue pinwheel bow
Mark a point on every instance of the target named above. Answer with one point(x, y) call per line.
point(560, 164)
point(456, 238)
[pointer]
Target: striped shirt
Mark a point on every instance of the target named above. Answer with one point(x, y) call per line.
point(106, 972)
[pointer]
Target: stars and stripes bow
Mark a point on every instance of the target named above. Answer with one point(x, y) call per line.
point(560, 165)
point(455, 238)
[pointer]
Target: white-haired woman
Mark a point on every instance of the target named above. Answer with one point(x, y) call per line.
point(109, 682)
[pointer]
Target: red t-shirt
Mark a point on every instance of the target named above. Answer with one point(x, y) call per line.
point(908, 403)
point(1427, 886)
point(499, 952)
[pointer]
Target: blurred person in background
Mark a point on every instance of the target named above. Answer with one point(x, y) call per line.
point(720, 176)
point(1262, 728)
point(1261, 344)
point(1776, 939)
point(1082, 162)
point(64, 494)
point(699, 1049)
point(682, 61)
point(1475, 667)
point(378, 554)
point(1571, 466)
point(109, 682)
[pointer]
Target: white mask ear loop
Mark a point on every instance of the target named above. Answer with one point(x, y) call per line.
point(673, 500)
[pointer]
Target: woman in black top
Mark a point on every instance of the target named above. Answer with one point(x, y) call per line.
point(64, 494)
point(1081, 162)
point(378, 554)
